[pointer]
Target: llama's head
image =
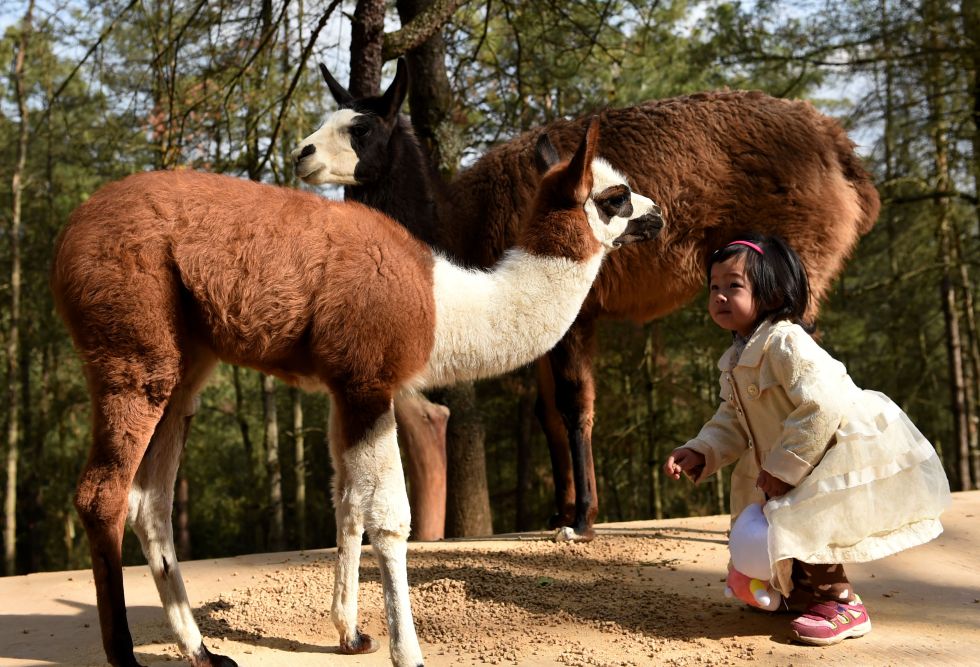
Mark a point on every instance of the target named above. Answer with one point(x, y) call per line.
point(350, 148)
point(615, 213)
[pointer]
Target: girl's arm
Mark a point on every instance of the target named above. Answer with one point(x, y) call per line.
point(816, 384)
point(721, 441)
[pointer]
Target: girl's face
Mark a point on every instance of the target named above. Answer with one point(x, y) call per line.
point(730, 301)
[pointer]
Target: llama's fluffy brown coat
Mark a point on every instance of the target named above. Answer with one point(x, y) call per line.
point(249, 262)
point(716, 163)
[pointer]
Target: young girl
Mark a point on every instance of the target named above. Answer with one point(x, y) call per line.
point(843, 474)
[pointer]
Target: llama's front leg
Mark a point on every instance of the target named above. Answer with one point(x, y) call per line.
point(376, 485)
point(350, 529)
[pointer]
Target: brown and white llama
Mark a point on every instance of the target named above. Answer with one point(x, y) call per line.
point(718, 163)
point(160, 275)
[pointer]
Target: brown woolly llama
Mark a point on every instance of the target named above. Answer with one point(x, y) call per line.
point(718, 163)
point(160, 275)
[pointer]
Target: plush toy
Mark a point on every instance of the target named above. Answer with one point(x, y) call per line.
point(748, 578)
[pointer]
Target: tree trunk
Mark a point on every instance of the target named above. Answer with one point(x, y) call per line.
point(972, 387)
point(272, 467)
point(422, 436)
point(654, 454)
point(432, 106)
point(249, 452)
point(366, 42)
point(182, 516)
point(526, 422)
point(467, 496)
point(299, 445)
point(971, 24)
point(37, 511)
point(431, 100)
point(939, 128)
point(13, 337)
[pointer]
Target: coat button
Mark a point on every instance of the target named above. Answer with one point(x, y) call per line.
point(753, 391)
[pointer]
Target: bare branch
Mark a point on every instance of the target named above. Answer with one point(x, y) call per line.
point(292, 84)
point(91, 50)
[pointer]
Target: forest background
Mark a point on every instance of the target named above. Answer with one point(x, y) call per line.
point(93, 91)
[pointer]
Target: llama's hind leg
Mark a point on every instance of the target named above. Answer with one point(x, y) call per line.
point(556, 435)
point(127, 401)
point(373, 487)
point(150, 510)
point(571, 363)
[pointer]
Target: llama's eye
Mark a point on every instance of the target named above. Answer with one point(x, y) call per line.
point(358, 130)
point(615, 202)
point(619, 201)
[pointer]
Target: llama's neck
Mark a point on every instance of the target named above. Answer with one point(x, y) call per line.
point(404, 188)
point(488, 323)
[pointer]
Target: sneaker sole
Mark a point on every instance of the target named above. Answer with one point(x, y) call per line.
point(851, 633)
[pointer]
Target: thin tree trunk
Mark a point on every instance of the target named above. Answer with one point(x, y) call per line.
point(249, 452)
point(37, 511)
point(971, 24)
point(954, 348)
point(182, 515)
point(954, 353)
point(972, 387)
point(13, 337)
point(68, 538)
point(653, 442)
point(525, 428)
point(299, 446)
point(273, 470)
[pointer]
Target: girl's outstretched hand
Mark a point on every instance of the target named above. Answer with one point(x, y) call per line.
point(684, 460)
point(772, 486)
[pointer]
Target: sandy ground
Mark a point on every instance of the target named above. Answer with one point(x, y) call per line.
point(645, 593)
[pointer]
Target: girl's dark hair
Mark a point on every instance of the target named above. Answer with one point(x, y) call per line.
point(779, 282)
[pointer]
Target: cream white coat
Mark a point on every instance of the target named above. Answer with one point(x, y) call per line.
point(868, 484)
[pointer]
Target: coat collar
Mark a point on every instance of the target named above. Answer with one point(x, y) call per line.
point(752, 354)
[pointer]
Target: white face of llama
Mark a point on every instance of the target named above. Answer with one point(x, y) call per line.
point(328, 155)
point(616, 214)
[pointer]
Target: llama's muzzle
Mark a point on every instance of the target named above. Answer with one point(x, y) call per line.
point(642, 228)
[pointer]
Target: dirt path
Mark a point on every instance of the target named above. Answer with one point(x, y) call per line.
point(647, 593)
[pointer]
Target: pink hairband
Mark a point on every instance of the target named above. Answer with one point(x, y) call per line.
point(747, 244)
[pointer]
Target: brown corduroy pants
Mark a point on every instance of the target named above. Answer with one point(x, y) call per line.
point(822, 582)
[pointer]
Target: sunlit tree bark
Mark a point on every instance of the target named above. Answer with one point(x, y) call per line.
point(13, 335)
point(939, 129)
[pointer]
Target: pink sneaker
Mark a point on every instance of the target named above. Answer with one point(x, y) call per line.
point(826, 623)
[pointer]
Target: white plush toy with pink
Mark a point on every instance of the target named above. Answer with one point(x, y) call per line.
point(748, 544)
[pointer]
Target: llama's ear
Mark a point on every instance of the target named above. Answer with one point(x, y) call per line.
point(395, 95)
point(340, 94)
point(580, 167)
point(545, 153)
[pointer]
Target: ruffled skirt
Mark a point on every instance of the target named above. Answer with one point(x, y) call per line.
point(878, 490)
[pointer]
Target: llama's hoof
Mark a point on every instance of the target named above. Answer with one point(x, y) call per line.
point(569, 534)
point(204, 658)
point(361, 643)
